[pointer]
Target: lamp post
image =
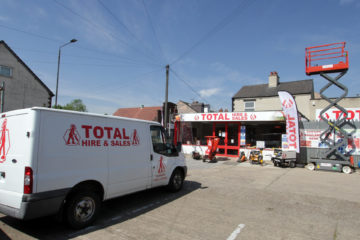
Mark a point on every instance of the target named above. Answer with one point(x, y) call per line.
point(58, 68)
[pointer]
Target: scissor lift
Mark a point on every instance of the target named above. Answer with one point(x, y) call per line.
point(322, 60)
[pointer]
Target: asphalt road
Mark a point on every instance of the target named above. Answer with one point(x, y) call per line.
point(223, 200)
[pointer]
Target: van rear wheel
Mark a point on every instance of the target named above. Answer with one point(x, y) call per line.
point(176, 181)
point(82, 209)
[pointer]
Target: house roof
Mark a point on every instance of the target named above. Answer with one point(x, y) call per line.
point(145, 113)
point(187, 104)
point(32, 73)
point(263, 90)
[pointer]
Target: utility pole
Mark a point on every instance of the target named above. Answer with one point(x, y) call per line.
point(2, 97)
point(166, 98)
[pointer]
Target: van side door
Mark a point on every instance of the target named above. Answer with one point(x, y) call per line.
point(163, 157)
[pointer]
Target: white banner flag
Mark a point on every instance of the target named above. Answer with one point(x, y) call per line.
point(292, 123)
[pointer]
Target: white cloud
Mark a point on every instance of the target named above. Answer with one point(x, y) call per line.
point(209, 92)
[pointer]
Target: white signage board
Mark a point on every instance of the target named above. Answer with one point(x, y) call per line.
point(334, 113)
point(232, 116)
point(260, 144)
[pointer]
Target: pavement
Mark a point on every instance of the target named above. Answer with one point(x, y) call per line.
point(223, 200)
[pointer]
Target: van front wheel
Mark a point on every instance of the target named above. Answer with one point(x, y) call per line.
point(176, 181)
point(82, 209)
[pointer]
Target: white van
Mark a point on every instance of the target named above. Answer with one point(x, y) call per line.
point(54, 161)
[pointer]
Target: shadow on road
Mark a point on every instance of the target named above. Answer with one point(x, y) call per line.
point(112, 212)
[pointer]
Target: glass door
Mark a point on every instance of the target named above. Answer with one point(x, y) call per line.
point(220, 132)
point(232, 146)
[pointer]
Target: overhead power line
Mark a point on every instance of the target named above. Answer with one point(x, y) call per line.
point(98, 26)
point(225, 21)
point(189, 86)
point(152, 28)
point(125, 27)
point(30, 33)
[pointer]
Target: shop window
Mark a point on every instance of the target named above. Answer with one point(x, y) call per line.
point(270, 133)
point(5, 71)
point(194, 133)
point(249, 106)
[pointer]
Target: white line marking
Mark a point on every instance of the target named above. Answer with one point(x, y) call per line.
point(236, 232)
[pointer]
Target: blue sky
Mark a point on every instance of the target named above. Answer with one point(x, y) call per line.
point(214, 47)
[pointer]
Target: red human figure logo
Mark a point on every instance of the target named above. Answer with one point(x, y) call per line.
point(161, 166)
point(287, 103)
point(135, 138)
point(4, 141)
point(72, 137)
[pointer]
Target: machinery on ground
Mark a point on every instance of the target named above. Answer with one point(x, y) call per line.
point(256, 157)
point(284, 159)
point(323, 60)
point(212, 143)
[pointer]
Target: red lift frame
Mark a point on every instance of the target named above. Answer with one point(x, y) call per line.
point(324, 52)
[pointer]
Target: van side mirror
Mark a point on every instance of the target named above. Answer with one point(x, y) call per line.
point(178, 146)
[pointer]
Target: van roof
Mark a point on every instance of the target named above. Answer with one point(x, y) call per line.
point(14, 112)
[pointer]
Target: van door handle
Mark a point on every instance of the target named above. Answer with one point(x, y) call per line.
point(151, 157)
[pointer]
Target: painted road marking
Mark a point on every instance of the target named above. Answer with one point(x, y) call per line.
point(236, 232)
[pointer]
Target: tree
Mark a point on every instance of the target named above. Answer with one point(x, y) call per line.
point(74, 105)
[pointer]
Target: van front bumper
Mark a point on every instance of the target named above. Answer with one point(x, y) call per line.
point(37, 205)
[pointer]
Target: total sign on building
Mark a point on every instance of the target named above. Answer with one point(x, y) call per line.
point(232, 116)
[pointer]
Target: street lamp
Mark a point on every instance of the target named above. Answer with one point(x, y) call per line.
point(58, 68)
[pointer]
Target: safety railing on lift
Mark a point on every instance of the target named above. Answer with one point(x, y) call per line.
point(320, 59)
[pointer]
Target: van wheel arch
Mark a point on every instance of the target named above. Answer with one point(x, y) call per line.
point(89, 185)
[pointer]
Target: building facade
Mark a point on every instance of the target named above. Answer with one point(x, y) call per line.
point(264, 97)
point(22, 88)
point(257, 120)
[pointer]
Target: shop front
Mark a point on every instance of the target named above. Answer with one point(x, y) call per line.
point(238, 131)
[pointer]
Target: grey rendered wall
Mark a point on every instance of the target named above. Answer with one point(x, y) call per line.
point(273, 104)
point(22, 90)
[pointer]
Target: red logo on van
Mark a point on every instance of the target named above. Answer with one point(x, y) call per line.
point(161, 166)
point(135, 138)
point(4, 141)
point(100, 136)
point(72, 137)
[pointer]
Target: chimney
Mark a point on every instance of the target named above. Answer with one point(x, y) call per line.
point(273, 79)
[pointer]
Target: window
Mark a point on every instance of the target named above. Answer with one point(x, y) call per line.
point(5, 71)
point(249, 106)
point(158, 138)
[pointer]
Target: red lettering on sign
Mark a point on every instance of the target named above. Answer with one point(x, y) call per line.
point(117, 134)
point(102, 135)
point(291, 131)
point(108, 131)
point(98, 132)
point(352, 115)
point(337, 114)
point(221, 116)
point(87, 130)
point(124, 134)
